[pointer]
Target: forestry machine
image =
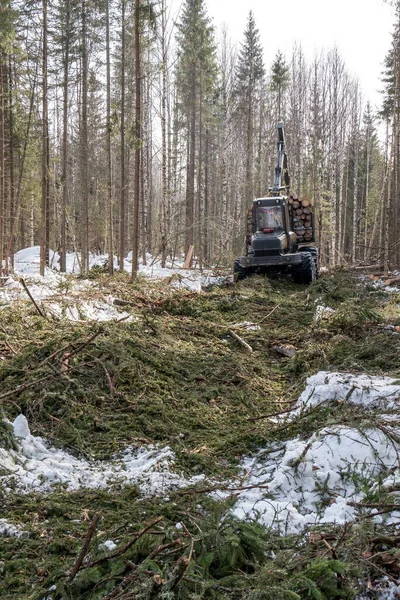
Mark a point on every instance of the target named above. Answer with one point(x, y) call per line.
point(279, 230)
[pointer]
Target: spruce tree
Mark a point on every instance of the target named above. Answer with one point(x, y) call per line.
point(389, 85)
point(370, 174)
point(390, 207)
point(280, 78)
point(247, 94)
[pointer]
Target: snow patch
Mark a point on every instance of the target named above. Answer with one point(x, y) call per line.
point(38, 466)
point(320, 479)
point(323, 313)
point(314, 481)
point(247, 325)
point(386, 589)
point(87, 311)
point(369, 391)
point(63, 297)
point(27, 262)
point(21, 427)
point(9, 530)
point(108, 545)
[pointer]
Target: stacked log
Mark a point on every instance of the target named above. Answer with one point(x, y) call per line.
point(302, 217)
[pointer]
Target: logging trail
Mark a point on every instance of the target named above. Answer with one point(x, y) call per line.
point(198, 441)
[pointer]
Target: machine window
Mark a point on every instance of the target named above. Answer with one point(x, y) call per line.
point(269, 218)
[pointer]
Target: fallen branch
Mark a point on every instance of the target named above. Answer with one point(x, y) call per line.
point(24, 386)
point(111, 386)
point(269, 314)
point(163, 547)
point(77, 566)
point(386, 540)
point(220, 489)
point(118, 302)
point(367, 267)
point(138, 569)
point(177, 573)
point(85, 344)
point(164, 588)
point(276, 414)
point(374, 505)
point(241, 341)
point(39, 310)
point(117, 553)
point(385, 573)
point(67, 346)
point(127, 581)
point(10, 347)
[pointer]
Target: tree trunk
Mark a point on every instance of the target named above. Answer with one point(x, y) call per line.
point(44, 242)
point(164, 192)
point(84, 145)
point(13, 205)
point(110, 228)
point(122, 209)
point(64, 177)
point(2, 162)
point(138, 105)
point(189, 238)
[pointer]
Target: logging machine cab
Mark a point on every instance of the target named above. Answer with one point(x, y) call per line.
point(269, 227)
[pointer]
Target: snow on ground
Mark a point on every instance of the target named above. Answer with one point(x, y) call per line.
point(108, 545)
point(292, 487)
point(308, 481)
point(386, 589)
point(63, 297)
point(38, 466)
point(312, 481)
point(27, 262)
point(86, 310)
point(323, 313)
point(9, 530)
point(316, 480)
point(371, 392)
point(247, 325)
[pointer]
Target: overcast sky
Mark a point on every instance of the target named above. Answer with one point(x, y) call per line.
point(360, 28)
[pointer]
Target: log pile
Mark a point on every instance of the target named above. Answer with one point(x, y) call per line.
point(302, 217)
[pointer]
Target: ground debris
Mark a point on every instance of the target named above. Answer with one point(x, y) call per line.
point(285, 349)
point(168, 377)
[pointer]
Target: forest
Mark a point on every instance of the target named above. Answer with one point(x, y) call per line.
point(170, 430)
point(124, 130)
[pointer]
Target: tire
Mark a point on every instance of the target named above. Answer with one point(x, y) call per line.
point(239, 272)
point(314, 252)
point(305, 273)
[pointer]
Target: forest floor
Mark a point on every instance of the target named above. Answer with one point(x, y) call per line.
point(190, 438)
